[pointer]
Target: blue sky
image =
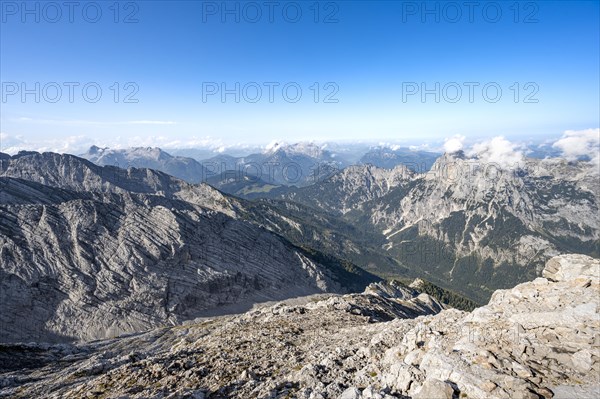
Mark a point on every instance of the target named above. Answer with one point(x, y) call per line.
point(367, 57)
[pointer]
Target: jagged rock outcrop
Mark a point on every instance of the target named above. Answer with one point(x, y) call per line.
point(536, 340)
point(491, 225)
point(70, 172)
point(88, 252)
point(570, 267)
point(350, 188)
point(528, 342)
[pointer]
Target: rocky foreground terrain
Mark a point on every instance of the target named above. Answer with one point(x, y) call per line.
point(540, 339)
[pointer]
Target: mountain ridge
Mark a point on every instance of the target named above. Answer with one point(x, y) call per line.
point(109, 251)
point(467, 224)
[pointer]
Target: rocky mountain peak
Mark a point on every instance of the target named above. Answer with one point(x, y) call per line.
point(95, 150)
point(150, 152)
point(95, 153)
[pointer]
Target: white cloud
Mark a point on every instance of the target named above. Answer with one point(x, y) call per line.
point(389, 145)
point(578, 143)
point(274, 146)
point(421, 147)
point(79, 144)
point(454, 143)
point(498, 151)
point(11, 144)
point(69, 144)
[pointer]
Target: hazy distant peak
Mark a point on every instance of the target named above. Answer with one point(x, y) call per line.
point(273, 147)
point(389, 156)
point(309, 149)
point(95, 149)
point(155, 153)
point(184, 168)
point(149, 152)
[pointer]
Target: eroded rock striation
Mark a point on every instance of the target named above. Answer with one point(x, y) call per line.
point(89, 252)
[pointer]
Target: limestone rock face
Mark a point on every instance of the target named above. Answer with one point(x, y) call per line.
point(536, 340)
point(351, 188)
point(435, 389)
point(88, 252)
point(69, 172)
point(570, 267)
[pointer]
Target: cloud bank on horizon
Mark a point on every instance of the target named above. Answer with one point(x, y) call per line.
point(499, 151)
point(573, 145)
point(580, 143)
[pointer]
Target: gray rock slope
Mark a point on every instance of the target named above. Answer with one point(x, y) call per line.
point(71, 172)
point(88, 252)
point(536, 340)
point(350, 188)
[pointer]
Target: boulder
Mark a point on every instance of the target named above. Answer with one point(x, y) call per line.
point(571, 267)
point(435, 389)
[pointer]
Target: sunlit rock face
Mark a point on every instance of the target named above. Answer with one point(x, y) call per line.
point(91, 252)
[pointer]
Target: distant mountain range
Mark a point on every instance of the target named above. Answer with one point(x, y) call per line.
point(390, 157)
point(184, 168)
point(297, 164)
point(249, 176)
point(93, 251)
point(481, 233)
